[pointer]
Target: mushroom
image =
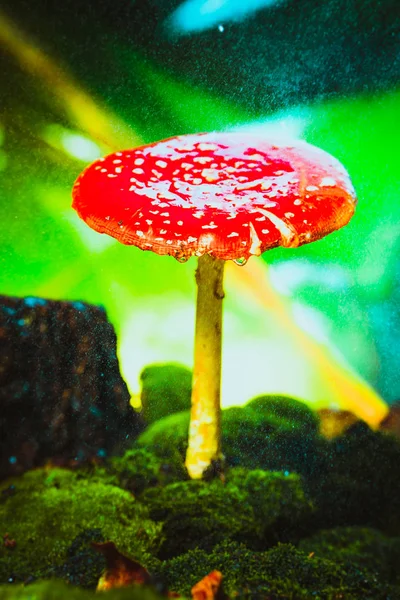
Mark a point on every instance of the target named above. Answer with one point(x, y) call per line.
point(217, 196)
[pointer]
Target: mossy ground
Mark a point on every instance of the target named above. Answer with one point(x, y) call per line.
point(295, 517)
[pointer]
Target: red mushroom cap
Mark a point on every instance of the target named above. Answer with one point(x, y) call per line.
point(226, 194)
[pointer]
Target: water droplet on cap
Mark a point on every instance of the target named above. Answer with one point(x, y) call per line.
point(182, 258)
point(240, 261)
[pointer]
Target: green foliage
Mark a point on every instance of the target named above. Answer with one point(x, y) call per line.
point(282, 572)
point(365, 548)
point(54, 514)
point(166, 389)
point(55, 590)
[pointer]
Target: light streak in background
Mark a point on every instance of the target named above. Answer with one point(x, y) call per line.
point(349, 390)
point(193, 16)
point(99, 123)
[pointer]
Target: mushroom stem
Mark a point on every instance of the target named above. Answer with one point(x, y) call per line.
point(205, 419)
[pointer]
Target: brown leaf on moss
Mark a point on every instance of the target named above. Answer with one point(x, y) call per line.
point(391, 423)
point(209, 588)
point(120, 570)
point(335, 422)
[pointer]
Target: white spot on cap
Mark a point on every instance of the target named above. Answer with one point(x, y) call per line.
point(289, 215)
point(149, 221)
point(297, 202)
point(118, 169)
point(204, 146)
point(203, 160)
point(191, 239)
point(112, 175)
point(312, 188)
point(179, 223)
point(139, 233)
point(210, 174)
point(328, 182)
point(163, 231)
point(139, 161)
point(138, 171)
point(260, 218)
point(233, 234)
point(164, 214)
point(161, 163)
point(264, 230)
point(212, 225)
point(117, 161)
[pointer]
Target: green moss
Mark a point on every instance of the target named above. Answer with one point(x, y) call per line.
point(139, 469)
point(358, 482)
point(56, 590)
point(352, 480)
point(166, 389)
point(288, 412)
point(201, 514)
point(280, 505)
point(49, 510)
point(168, 433)
point(282, 572)
point(252, 436)
point(360, 546)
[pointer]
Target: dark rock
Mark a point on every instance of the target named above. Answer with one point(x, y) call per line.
point(62, 396)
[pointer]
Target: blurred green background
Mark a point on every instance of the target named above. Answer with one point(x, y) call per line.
point(81, 81)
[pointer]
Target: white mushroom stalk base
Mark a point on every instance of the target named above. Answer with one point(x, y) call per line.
point(205, 419)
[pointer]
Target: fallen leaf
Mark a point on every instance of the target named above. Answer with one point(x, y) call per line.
point(120, 570)
point(209, 588)
point(335, 422)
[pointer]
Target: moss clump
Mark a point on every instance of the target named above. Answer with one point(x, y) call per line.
point(139, 469)
point(282, 572)
point(359, 546)
point(255, 507)
point(358, 482)
point(169, 432)
point(166, 389)
point(280, 505)
point(49, 510)
point(56, 590)
point(255, 436)
point(201, 514)
point(288, 412)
